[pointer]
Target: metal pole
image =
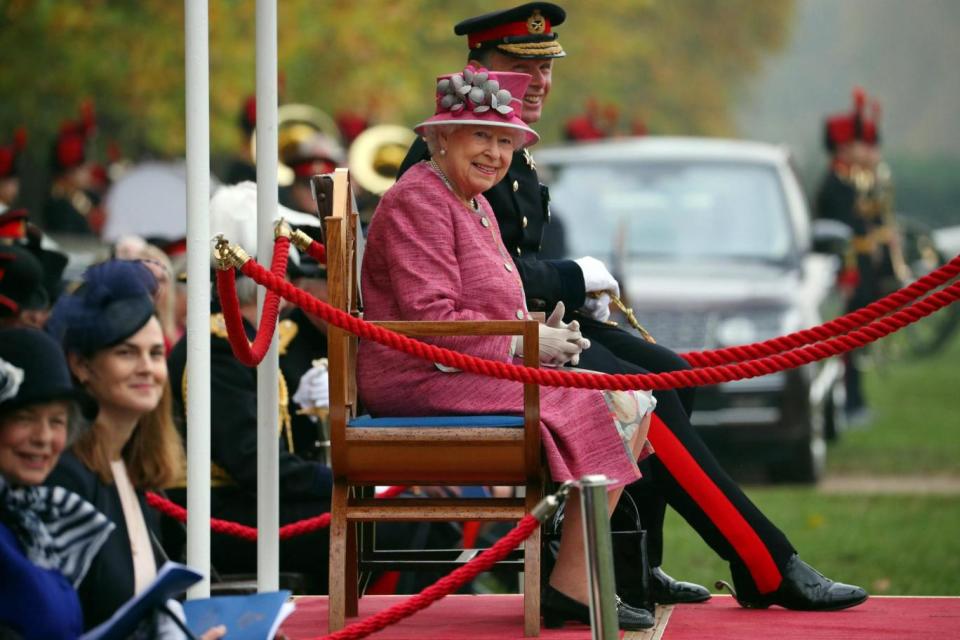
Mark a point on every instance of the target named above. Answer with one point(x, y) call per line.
point(198, 291)
point(268, 444)
point(598, 547)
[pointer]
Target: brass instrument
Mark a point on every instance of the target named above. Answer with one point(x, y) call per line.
point(376, 155)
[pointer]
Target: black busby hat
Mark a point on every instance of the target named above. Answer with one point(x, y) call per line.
point(114, 301)
point(522, 32)
point(32, 369)
point(21, 281)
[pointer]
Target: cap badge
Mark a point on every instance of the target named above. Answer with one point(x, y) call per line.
point(536, 23)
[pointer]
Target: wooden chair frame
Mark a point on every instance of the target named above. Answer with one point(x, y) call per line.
point(365, 457)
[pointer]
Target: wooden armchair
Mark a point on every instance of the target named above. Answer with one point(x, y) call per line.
point(451, 450)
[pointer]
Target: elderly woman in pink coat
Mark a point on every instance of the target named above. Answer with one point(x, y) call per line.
point(434, 253)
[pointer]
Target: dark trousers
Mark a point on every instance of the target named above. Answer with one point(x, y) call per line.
point(683, 472)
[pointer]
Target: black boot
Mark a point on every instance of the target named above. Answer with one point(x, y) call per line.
point(666, 590)
point(803, 589)
point(558, 608)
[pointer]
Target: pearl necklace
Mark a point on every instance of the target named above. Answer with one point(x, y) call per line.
point(473, 204)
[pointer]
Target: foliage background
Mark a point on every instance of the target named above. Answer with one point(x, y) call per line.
point(377, 57)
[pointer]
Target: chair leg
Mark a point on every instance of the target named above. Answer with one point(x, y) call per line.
point(531, 569)
point(338, 556)
point(351, 607)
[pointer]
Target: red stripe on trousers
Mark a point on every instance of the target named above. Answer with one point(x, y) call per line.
point(716, 505)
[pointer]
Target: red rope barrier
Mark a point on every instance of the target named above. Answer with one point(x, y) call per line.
point(442, 587)
point(833, 328)
point(317, 251)
point(251, 354)
point(871, 331)
point(237, 530)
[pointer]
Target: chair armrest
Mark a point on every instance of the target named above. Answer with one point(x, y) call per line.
point(457, 327)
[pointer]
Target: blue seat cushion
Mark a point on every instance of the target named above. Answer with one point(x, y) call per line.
point(505, 422)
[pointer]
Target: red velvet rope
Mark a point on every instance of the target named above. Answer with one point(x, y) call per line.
point(317, 251)
point(237, 530)
point(833, 328)
point(444, 586)
point(667, 380)
point(251, 354)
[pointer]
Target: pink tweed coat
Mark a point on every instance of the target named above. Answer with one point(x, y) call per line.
point(428, 257)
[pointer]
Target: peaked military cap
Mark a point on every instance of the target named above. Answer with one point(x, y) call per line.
point(522, 32)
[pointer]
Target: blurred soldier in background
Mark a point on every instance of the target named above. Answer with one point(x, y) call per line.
point(71, 207)
point(857, 191)
point(10, 169)
point(309, 156)
point(241, 167)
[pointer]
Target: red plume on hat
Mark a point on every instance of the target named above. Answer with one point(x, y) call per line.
point(10, 153)
point(845, 128)
point(70, 148)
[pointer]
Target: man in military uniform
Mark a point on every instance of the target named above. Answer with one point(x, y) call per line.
point(849, 194)
point(683, 472)
point(304, 484)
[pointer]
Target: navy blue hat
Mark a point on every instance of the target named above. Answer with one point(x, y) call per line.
point(114, 301)
point(33, 369)
point(522, 32)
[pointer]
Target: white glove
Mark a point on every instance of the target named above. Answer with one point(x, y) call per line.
point(559, 342)
point(597, 308)
point(313, 391)
point(556, 321)
point(596, 277)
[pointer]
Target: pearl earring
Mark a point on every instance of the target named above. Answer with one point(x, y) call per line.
point(443, 152)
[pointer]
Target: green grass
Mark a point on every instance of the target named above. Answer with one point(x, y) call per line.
point(893, 545)
point(916, 417)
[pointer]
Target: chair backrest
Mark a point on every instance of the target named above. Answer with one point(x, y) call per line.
point(337, 208)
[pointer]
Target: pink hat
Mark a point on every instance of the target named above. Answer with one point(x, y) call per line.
point(478, 96)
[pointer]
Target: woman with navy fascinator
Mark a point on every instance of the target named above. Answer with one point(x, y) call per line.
point(114, 347)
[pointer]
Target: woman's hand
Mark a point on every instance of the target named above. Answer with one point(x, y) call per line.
point(555, 321)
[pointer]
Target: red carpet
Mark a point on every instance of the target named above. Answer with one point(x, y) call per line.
point(876, 619)
point(466, 617)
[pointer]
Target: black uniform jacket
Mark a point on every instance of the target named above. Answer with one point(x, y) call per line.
point(522, 207)
point(308, 344)
point(233, 398)
point(109, 582)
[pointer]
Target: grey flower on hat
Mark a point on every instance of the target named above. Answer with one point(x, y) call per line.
point(475, 88)
point(11, 377)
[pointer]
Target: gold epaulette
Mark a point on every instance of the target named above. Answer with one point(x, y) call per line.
point(287, 330)
point(863, 244)
point(218, 326)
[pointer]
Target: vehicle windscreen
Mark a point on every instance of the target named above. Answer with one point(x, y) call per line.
point(672, 210)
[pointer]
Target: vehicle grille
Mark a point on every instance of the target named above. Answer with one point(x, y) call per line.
point(679, 330)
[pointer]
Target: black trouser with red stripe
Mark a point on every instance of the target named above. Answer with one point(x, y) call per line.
point(683, 472)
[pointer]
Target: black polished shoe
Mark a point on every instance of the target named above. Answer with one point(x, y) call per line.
point(803, 589)
point(666, 590)
point(558, 608)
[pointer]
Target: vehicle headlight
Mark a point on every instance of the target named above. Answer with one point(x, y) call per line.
point(753, 326)
point(735, 331)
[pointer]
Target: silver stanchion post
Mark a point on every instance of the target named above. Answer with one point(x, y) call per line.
point(599, 549)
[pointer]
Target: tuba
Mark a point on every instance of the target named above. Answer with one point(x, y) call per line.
point(296, 123)
point(376, 155)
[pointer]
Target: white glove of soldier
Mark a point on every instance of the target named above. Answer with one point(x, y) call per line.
point(596, 278)
point(559, 342)
point(313, 391)
point(598, 307)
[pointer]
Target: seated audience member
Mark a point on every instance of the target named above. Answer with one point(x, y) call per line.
point(21, 287)
point(48, 536)
point(434, 253)
point(304, 484)
point(115, 350)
